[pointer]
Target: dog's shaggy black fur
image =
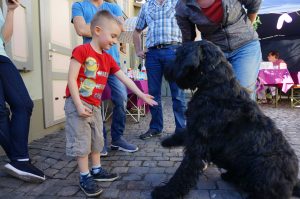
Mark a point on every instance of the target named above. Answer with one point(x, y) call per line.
point(226, 127)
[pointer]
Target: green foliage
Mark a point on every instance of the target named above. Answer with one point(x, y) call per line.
point(256, 23)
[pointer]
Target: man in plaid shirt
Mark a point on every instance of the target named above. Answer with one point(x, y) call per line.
point(163, 37)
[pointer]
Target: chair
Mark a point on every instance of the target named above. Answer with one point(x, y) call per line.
point(295, 90)
point(295, 96)
point(136, 107)
point(106, 111)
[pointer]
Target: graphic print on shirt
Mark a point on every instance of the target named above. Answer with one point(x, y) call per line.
point(90, 67)
point(88, 85)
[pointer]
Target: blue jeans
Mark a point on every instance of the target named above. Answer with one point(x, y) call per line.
point(245, 62)
point(119, 99)
point(156, 60)
point(14, 128)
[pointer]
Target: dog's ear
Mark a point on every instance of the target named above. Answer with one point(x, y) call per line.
point(189, 55)
point(188, 58)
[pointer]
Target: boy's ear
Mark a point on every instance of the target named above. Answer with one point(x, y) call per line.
point(97, 29)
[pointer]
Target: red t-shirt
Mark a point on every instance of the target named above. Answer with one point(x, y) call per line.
point(93, 73)
point(214, 12)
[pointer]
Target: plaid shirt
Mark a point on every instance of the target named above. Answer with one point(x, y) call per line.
point(161, 22)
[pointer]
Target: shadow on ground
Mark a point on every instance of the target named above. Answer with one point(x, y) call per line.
point(141, 171)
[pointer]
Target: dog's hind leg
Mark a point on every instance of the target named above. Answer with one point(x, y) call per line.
point(177, 139)
point(230, 177)
point(266, 196)
point(255, 196)
point(183, 180)
point(296, 190)
point(269, 189)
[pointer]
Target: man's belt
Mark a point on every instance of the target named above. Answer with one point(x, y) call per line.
point(166, 45)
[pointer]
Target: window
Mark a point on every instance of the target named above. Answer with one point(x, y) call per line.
point(19, 49)
point(124, 5)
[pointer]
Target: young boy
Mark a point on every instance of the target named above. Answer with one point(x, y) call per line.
point(89, 68)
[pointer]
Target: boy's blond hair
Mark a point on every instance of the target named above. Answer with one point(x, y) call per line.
point(102, 17)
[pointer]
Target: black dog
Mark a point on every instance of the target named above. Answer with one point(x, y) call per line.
point(226, 127)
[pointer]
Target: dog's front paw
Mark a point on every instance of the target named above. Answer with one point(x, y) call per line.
point(226, 176)
point(162, 192)
point(229, 177)
point(169, 142)
point(174, 140)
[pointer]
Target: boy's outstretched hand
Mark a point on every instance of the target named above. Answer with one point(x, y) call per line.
point(149, 99)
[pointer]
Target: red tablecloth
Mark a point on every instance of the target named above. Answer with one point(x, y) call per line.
point(106, 95)
point(276, 77)
point(141, 84)
point(296, 77)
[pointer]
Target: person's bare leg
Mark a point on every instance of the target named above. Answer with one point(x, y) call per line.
point(83, 164)
point(95, 156)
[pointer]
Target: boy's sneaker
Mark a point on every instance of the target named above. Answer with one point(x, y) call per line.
point(122, 145)
point(24, 170)
point(150, 133)
point(104, 152)
point(104, 176)
point(90, 187)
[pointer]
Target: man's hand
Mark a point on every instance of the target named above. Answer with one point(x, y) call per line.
point(149, 100)
point(12, 4)
point(84, 111)
point(141, 54)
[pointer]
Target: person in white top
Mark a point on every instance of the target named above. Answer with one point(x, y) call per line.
point(265, 94)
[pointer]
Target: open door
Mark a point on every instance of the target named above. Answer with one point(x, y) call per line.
point(58, 38)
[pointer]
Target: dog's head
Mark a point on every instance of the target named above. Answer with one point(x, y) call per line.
point(194, 64)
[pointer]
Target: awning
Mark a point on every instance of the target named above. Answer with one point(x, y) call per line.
point(279, 6)
point(129, 27)
point(269, 23)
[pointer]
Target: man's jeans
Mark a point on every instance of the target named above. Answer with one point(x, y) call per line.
point(156, 60)
point(14, 129)
point(245, 62)
point(119, 99)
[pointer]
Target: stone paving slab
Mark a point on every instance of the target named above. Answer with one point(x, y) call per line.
point(140, 172)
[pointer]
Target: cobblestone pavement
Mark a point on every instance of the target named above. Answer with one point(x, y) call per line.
point(141, 171)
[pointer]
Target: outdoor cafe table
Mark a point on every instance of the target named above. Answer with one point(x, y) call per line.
point(136, 107)
point(279, 78)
